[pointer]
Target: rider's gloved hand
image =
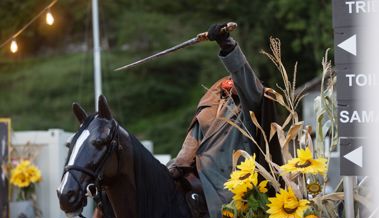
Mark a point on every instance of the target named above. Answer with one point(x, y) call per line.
point(175, 172)
point(223, 39)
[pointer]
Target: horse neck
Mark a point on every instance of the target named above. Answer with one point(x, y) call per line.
point(122, 197)
point(155, 190)
point(122, 189)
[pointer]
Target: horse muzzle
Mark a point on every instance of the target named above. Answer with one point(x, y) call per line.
point(71, 200)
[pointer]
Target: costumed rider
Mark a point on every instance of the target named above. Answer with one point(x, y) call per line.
point(211, 141)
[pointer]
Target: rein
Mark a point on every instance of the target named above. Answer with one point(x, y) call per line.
point(94, 190)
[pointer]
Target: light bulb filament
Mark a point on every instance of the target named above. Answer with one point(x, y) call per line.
point(49, 18)
point(14, 46)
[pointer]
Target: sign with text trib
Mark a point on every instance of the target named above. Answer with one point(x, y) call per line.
point(352, 13)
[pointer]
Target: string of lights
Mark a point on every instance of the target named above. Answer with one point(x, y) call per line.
point(49, 21)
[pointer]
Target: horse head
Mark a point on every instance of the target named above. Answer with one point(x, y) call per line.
point(102, 154)
point(91, 148)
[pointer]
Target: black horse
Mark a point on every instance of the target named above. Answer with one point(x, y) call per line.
point(105, 156)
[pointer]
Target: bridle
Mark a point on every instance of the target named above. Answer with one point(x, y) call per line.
point(94, 190)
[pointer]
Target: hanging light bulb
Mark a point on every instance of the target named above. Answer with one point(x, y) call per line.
point(49, 18)
point(14, 46)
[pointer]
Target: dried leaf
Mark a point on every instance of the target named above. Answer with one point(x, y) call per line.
point(256, 123)
point(287, 121)
point(306, 138)
point(337, 196)
point(244, 132)
point(294, 82)
point(276, 128)
point(288, 181)
point(298, 99)
point(327, 202)
point(275, 96)
point(236, 155)
point(292, 133)
point(319, 111)
point(364, 201)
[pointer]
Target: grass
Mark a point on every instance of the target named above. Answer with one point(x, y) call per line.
point(156, 101)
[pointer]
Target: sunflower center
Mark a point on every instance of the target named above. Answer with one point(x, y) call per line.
point(226, 213)
point(245, 176)
point(314, 188)
point(290, 205)
point(302, 164)
point(289, 210)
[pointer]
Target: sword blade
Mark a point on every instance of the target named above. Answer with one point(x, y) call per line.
point(164, 52)
point(231, 26)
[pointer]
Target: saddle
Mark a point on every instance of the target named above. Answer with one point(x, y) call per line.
point(190, 184)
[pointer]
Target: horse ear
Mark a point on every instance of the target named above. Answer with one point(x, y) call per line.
point(79, 112)
point(104, 110)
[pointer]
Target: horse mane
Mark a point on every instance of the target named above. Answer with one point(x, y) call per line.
point(155, 187)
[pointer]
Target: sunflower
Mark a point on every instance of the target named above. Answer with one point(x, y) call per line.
point(226, 213)
point(248, 165)
point(244, 179)
point(25, 174)
point(229, 211)
point(237, 184)
point(286, 205)
point(311, 216)
point(311, 213)
point(305, 163)
point(262, 186)
point(34, 174)
point(19, 179)
point(314, 188)
point(247, 171)
point(240, 203)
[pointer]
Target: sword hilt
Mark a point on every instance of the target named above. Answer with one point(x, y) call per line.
point(230, 26)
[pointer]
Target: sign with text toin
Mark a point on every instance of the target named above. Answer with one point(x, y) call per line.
point(353, 81)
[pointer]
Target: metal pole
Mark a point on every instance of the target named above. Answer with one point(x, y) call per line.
point(88, 212)
point(96, 51)
point(348, 187)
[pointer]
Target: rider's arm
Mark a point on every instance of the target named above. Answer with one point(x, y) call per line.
point(190, 145)
point(187, 153)
point(248, 86)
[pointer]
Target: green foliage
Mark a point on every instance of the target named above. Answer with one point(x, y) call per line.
point(257, 202)
point(158, 99)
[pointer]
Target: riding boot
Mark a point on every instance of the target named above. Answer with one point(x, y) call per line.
point(194, 196)
point(196, 203)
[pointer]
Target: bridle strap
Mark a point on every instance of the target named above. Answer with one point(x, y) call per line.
point(80, 169)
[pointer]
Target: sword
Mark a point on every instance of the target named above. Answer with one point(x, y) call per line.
point(199, 38)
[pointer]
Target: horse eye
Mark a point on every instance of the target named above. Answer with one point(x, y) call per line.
point(99, 143)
